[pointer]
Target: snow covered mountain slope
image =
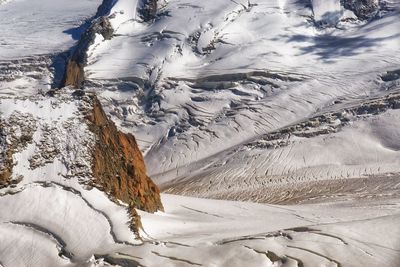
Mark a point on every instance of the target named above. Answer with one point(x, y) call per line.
point(203, 233)
point(57, 185)
point(199, 91)
point(56, 172)
point(49, 145)
point(293, 102)
point(35, 36)
point(37, 27)
point(222, 233)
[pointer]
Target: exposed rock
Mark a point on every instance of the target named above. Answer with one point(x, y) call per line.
point(74, 74)
point(15, 134)
point(391, 76)
point(6, 161)
point(102, 26)
point(271, 141)
point(326, 123)
point(148, 11)
point(363, 9)
point(104, 8)
point(118, 166)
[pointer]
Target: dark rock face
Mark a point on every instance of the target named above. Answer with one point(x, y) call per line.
point(118, 167)
point(6, 160)
point(363, 9)
point(102, 26)
point(391, 76)
point(105, 7)
point(75, 75)
point(15, 134)
point(148, 11)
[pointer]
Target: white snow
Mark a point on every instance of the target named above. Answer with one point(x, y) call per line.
point(3, 2)
point(327, 11)
point(155, 79)
point(38, 249)
point(51, 197)
point(201, 87)
point(53, 209)
point(365, 148)
point(223, 233)
point(37, 27)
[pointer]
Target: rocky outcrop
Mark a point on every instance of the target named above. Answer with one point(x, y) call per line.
point(5, 160)
point(391, 76)
point(15, 134)
point(74, 74)
point(118, 166)
point(148, 11)
point(363, 9)
point(330, 122)
point(105, 8)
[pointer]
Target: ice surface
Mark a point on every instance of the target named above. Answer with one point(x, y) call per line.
point(327, 11)
point(35, 27)
point(289, 102)
point(223, 233)
point(196, 89)
point(206, 232)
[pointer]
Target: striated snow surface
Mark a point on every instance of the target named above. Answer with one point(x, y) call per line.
point(203, 232)
point(36, 27)
point(201, 92)
point(224, 233)
point(286, 102)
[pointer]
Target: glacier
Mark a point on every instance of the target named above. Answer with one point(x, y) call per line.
point(270, 126)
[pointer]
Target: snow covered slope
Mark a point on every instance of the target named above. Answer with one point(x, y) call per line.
point(199, 91)
point(56, 205)
point(205, 233)
point(49, 204)
point(34, 36)
point(36, 27)
point(222, 233)
point(293, 102)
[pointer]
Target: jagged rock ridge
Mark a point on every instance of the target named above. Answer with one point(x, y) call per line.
point(118, 165)
point(363, 9)
point(64, 140)
point(148, 11)
point(74, 72)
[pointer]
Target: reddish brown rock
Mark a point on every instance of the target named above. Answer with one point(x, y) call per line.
point(118, 166)
point(74, 75)
point(6, 170)
point(5, 160)
point(8, 148)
